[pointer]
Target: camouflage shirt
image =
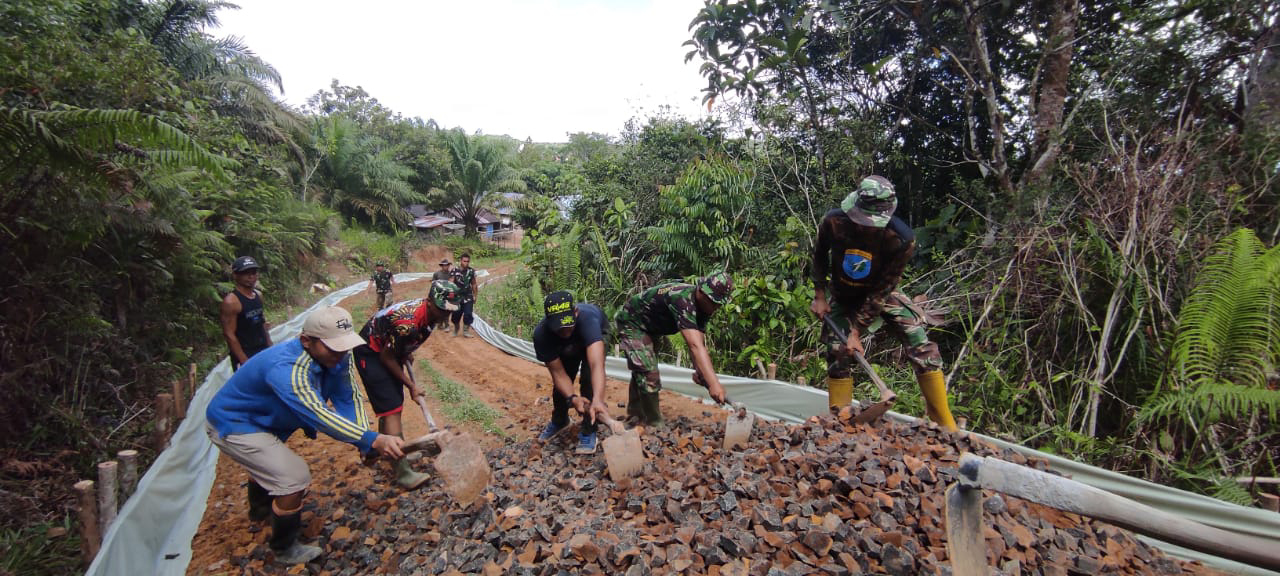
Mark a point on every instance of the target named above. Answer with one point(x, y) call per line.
point(402, 327)
point(864, 264)
point(663, 309)
point(382, 281)
point(465, 279)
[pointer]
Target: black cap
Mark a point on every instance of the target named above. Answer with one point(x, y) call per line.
point(559, 309)
point(244, 263)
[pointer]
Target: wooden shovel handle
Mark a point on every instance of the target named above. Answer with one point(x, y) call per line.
point(884, 390)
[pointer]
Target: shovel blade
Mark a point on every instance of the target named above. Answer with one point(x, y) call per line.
point(873, 412)
point(624, 454)
point(737, 428)
point(463, 466)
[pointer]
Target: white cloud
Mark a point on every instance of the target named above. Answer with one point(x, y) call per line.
point(536, 68)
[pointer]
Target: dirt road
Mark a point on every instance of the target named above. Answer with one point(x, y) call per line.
point(518, 389)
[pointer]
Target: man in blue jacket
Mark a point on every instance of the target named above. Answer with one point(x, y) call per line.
point(278, 391)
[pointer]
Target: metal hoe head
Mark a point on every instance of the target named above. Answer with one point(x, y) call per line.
point(463, 466)
point(737, 427)
point(623, 452)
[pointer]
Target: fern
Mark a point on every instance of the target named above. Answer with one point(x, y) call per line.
point(1228, 338)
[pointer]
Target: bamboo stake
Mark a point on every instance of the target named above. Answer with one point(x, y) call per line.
point(164, 416)
point(128, 472)
point(90, 538)
point(106, 495)
point(773, 371)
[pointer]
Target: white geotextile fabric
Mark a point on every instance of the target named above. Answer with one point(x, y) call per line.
point(153, 531)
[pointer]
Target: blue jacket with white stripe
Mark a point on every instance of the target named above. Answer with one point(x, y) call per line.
point(282, 389)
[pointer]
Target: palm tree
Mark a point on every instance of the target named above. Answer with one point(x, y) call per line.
point(357, 174)
point(480, 169)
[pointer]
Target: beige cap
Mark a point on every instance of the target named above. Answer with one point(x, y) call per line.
point(333, 326)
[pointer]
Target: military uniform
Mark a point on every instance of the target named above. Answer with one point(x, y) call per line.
point(662, 310)
point(858, 259)
point(382, 285)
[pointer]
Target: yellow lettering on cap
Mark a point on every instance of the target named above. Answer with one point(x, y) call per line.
point(558, 307)
point(567, 320)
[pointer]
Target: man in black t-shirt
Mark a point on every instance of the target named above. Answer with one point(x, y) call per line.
point(566, 336)
point(244, 323)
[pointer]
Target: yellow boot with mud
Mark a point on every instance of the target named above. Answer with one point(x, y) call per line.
point(839, 392)
point(933, 387)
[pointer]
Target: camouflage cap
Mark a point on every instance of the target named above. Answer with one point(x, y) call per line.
point(873, 203)
point(444, 295)
point(718, 287)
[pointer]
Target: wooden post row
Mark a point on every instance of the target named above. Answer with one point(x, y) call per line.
point(90, 537)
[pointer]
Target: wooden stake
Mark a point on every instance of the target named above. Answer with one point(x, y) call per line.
point(1269, 502)
point(128, 472)
point(191, 380)
point(90, 537)
point(164, 418)
point(106, 495)
point(802, 381)
point(773, 371)
point(760, 367)
point(179, 402)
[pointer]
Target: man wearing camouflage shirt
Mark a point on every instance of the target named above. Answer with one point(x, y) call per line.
point(382, 281)
point(864, 249)
point(662, 310)
point(464, 276)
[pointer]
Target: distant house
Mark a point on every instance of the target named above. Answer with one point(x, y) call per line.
point(433, 225)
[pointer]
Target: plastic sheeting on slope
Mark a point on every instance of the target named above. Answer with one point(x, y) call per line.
point(793, 403)
point(153, 531)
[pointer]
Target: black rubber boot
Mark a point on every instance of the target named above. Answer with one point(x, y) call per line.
point(259, 503)
point(285, 529)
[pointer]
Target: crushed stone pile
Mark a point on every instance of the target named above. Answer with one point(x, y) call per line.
point(823, 497)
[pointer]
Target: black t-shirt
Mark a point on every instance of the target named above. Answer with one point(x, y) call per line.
point(591, 327)
point(251, 324)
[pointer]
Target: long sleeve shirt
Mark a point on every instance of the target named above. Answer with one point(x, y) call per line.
point(860, 266)
point(282, 389)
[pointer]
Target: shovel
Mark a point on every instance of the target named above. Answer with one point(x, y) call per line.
point(737, 424)
point(622, 451)
point(870, 412)
point(460, 460)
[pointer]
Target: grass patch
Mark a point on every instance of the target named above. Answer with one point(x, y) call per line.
point(458, 403)
point(30, 551)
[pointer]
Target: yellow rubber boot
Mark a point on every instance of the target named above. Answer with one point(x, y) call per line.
point(839, 392)
point(934, 388)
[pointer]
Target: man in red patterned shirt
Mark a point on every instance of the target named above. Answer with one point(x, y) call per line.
point(393, 334)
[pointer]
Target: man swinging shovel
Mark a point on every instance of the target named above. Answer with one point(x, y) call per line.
point(860, 254)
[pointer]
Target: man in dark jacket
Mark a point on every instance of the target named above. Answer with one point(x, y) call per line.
point(859, 257)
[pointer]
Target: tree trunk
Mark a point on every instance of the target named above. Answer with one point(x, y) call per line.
point(1051, 94)
point(1262, 109)
point(984, 77)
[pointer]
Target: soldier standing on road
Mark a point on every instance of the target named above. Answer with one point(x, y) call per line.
point(665, 309)
point(244, 323)
point(864, 249)
point(286, 388)
point(464, 276)
point(444, 273)
point(567, 335)
point(392, 336)
point(382, 281)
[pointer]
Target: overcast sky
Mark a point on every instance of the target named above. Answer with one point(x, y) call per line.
point(525, 68)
